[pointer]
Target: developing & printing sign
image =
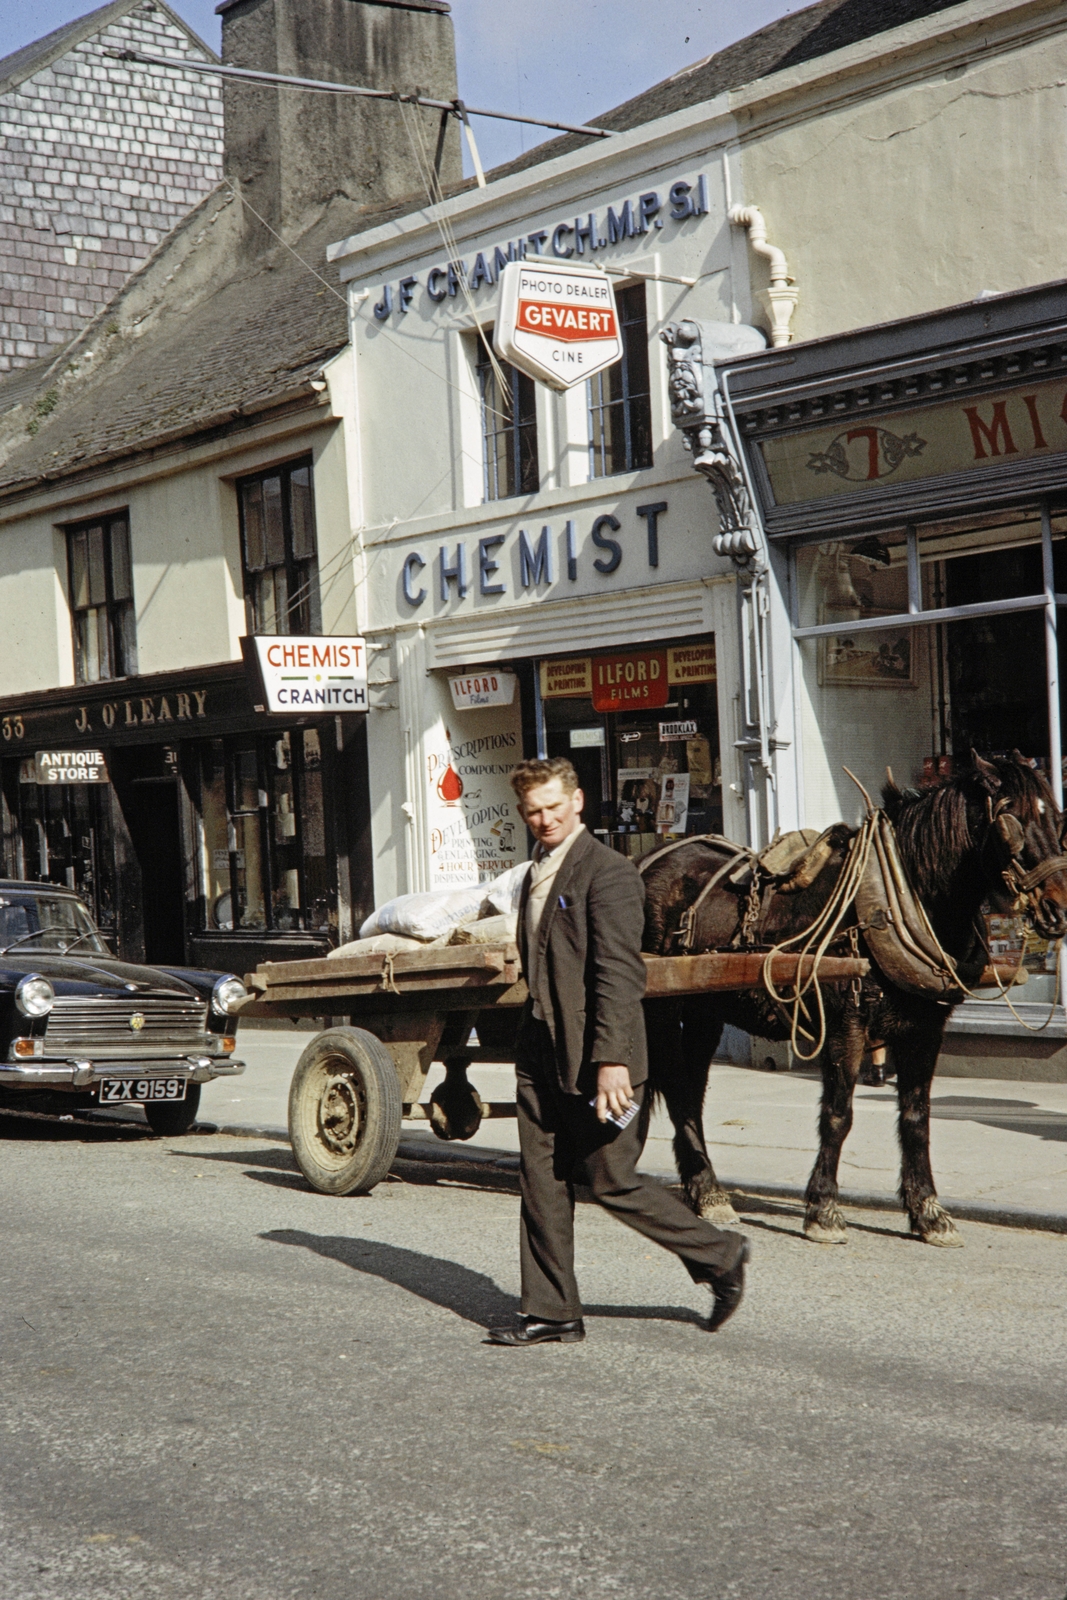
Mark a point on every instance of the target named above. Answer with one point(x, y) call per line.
point(320, 673)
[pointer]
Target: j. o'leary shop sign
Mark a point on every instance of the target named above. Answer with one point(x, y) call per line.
point(580, 236)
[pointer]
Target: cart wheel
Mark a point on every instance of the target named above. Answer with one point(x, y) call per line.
point(175, 1117)
point(345, 1111)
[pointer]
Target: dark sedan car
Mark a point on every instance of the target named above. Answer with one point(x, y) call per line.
point(80, 1029)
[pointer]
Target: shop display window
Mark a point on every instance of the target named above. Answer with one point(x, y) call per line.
point(974, 680)
point(650, 771)
point(265, 862)
point(620, 402)
point(280, 552)
point(101, 600)
point(61, 834)
point(509, 428)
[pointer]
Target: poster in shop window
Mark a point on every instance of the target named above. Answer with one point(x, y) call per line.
point(475, 831)
point(673, 810)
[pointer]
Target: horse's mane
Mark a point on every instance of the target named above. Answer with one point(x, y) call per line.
point(932, 825)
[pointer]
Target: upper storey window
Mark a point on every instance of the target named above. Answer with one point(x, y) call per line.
point(509, 429)
point(281, 570)
point(101, 599)
point(620, 406)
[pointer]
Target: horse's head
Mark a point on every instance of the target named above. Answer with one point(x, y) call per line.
point(1018, 829)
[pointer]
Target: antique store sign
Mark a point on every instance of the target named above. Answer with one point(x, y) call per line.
point(70, 766)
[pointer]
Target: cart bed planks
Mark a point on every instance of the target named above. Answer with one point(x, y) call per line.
point(453, 976)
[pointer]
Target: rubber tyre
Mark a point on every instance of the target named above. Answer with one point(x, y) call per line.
point(170, 1119)
point(345, 1111)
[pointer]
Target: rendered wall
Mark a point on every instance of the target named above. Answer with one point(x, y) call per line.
point(921, 180)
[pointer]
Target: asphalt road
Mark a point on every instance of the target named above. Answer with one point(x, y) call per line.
point(219, 1384)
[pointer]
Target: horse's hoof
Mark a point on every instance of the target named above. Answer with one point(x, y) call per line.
point(456, 1114)
point(720, 1213)
point(826, 1227)
point(933, 1225)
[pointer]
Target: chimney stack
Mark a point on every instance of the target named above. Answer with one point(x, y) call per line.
point(291, 150)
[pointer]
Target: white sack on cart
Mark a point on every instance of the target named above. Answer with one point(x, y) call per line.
point(503, 893)
point(425, 916)
point(380, 944)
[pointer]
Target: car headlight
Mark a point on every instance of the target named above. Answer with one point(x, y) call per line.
point(228, 994)
point(34, 996)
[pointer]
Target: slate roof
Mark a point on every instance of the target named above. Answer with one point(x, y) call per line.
point(203, 335)
point(197, 339)
point(22, 64)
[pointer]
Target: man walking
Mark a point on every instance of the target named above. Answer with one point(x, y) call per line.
point(581, 1065)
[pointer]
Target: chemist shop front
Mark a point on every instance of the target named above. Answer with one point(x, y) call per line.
point(198, 830)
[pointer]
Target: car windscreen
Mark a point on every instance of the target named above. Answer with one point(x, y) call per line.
point(31, 921)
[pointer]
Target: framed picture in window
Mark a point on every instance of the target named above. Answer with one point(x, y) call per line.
point(858, 658)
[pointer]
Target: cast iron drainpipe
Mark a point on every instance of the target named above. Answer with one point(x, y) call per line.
point(781, 298)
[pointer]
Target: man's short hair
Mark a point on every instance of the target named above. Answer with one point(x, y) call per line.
point(528, 774)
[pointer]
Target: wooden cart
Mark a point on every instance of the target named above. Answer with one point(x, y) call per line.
point(391, 1017)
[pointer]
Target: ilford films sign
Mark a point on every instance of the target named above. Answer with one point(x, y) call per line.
point(319, 673)
point(559, 324)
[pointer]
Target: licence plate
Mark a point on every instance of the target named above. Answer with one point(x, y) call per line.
point(135, 1091)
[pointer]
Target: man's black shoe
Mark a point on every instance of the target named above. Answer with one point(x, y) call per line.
point(533, 1331)
point(728, 1289)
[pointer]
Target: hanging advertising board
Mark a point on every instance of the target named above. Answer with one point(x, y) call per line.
point(475, 689)
point(325, 672)
point(557, 322)
point(70, 766)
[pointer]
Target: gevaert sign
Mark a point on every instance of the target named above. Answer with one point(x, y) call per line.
point(557, 323)
point(70, 766)
point(324, 672)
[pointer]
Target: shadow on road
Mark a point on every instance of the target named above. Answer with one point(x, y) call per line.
point(467, 1294)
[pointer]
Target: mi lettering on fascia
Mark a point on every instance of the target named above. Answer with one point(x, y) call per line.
point(567, 240)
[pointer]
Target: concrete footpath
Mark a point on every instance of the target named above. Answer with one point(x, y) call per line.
point(999, 1148)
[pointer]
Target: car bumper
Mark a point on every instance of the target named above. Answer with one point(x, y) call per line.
point(85, 1074)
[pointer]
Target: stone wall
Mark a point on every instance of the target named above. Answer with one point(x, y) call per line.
point(99, 159)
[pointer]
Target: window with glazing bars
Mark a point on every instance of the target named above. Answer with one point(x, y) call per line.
point(509, 429)
point(281, 569)
point(620, 406)
point(101, 599)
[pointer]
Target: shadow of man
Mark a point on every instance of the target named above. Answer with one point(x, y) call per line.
point(467, 1294)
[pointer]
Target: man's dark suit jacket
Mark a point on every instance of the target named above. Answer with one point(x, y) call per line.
point(590, 976)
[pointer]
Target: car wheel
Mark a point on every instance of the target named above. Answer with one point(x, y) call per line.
point(345, 1111)
point(172, 1118)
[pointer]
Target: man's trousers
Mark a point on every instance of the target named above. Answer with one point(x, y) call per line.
point(557, 1131)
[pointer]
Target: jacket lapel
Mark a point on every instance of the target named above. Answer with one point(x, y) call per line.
point(563, 880)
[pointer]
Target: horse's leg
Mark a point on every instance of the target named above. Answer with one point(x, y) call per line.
point(841, 1058)
point(701, 1032)
point(916, 1061)
point(682, 1038)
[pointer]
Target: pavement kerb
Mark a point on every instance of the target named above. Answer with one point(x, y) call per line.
point(451, 1163)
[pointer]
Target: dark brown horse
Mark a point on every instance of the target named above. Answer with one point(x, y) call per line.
point(956, 841)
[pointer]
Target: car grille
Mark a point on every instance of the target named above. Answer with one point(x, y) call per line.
point(88, 1025)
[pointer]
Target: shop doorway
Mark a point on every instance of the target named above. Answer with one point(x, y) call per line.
point(147, 787)
point(642, 731)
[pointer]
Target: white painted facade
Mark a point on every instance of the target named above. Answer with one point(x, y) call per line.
point(834, 153)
